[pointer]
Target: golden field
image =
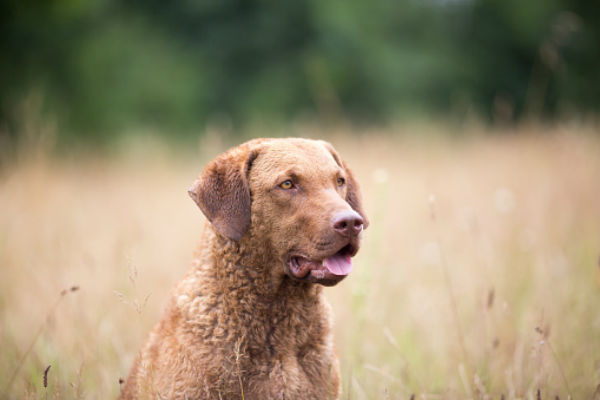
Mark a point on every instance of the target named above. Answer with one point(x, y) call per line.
point(478, 278)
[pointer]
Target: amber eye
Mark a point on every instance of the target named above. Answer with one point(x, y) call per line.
point(287, 185)
point(340, 182)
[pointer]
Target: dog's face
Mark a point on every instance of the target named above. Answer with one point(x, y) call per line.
point(295, 195)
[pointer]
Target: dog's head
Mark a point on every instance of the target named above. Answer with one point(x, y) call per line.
point(295, 196)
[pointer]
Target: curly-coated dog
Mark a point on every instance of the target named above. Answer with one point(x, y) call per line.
point(249, 320)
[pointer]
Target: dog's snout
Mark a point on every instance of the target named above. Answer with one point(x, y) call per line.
point(348, 223)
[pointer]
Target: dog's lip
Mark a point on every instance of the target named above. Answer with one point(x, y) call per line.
point(309, 269)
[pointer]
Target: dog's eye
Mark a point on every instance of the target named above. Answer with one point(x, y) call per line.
point(340, 182)
point(287, 185)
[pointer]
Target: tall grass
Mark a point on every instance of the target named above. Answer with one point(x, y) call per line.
point(497, 296)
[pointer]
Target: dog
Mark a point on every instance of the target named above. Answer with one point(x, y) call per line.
point(249, 320)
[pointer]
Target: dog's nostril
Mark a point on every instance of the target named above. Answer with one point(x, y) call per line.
point(341, 225)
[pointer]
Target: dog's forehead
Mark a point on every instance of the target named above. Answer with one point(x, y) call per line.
point(303, 156)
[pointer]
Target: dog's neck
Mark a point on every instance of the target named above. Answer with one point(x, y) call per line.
point(247, 269)
point(239, 285)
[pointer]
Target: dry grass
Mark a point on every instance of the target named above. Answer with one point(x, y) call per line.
point(497, 295)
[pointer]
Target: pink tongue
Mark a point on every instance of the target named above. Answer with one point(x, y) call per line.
point(338, 264)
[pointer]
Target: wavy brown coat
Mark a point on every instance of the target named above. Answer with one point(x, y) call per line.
point(244, 323)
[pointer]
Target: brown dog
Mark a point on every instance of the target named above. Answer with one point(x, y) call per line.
point(249, 320)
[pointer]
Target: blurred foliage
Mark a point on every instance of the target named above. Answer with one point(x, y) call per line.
point(106, 66)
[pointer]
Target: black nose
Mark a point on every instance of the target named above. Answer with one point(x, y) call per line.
point(347, 223)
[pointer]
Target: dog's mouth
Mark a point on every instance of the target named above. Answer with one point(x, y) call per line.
point(327, 271)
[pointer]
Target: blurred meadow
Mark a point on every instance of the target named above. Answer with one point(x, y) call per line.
point(478, 276)
point(472, 126)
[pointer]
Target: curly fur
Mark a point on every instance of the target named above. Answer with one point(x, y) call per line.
point(237, 326)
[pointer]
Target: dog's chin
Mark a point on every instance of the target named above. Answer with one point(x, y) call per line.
point(325, 269)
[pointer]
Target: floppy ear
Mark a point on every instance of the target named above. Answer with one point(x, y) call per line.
point(222, 192)
point(353, 196)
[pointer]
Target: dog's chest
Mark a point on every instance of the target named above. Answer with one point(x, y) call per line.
point(290, 378)
point(296, 359)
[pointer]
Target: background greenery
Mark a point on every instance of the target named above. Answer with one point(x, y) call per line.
point(98, 68)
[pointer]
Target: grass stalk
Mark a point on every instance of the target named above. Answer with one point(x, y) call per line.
point(41, 328)
point(450, 291)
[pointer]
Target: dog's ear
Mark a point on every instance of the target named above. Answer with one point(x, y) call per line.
point(222, 192)
point(353, 196)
